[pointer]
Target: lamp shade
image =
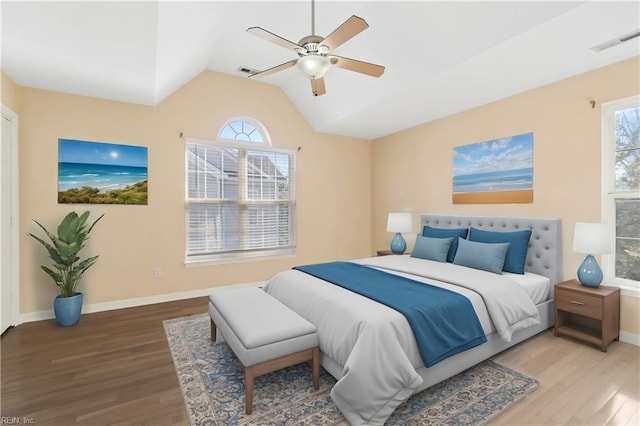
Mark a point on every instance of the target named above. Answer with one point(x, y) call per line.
point(592, 238)
point(313, 66)
point(399, 222)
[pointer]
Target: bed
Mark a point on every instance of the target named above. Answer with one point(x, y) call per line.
point(369, 347)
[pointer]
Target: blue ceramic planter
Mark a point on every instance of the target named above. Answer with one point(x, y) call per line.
point(68, 309)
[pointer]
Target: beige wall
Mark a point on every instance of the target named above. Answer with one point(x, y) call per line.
point(412, 169)
point(333, 187)
point(10, 92)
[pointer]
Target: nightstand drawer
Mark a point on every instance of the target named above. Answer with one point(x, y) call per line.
point(579, 303)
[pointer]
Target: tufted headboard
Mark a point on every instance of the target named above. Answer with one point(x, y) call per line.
point(544, 256)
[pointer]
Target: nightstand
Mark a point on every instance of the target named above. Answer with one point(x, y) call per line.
point(387, 253)
point(590, 314)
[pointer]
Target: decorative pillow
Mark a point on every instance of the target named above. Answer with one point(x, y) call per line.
point(519, 244)
point(486, 256)
point(454, 233)
point(431, 248)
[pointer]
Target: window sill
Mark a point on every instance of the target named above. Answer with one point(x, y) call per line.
point(625, 290)
point(242, 258)
point(629, 291)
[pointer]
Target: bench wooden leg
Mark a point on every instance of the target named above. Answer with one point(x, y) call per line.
point(248, 390)
point(311, 355)
point(213, 330)
point(316, 368)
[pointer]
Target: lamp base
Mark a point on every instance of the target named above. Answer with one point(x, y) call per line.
point(398, 244)
point(589, 272)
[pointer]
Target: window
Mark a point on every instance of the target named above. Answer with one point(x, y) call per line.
point(621, 189)
point(240, 196)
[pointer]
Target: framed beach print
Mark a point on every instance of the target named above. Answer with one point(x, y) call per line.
point(495, 171)
point(101, 173)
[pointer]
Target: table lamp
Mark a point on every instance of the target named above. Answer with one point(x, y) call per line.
point(399, 222)
point(591, 238)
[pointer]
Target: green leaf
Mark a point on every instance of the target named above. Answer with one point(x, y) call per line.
point(67, 249)
point(53, 253)
point(68, 228)
point(49, 234)
point(85, 264)
point(83, 219)
point(94, 223)
point(57, 278)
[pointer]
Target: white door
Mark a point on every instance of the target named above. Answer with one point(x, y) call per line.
point(5, 224)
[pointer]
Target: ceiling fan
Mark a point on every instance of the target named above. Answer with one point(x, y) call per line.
point(314, 52)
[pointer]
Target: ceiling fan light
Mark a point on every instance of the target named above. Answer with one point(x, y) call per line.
point(313, 66)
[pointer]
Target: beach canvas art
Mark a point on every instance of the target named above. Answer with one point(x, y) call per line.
point(101, 173)
point(495, 171)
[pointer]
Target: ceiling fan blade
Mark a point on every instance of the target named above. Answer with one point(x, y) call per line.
point(317, 87)
point(273, 38)
point(275, 69)
point(349, 28)
point(357, 66)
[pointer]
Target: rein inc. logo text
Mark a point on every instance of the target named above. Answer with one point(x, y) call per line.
point(17, 420)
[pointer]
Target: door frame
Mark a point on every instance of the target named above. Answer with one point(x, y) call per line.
point(15, 219)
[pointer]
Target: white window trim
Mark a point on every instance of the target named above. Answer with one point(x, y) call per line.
point(227, 258)
point(628, 287)
point(239, 257)
point(258, 125)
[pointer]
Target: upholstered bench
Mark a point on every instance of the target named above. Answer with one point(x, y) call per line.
point(264, 334)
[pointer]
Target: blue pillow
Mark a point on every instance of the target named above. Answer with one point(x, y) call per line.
point(486, 256)
point(454, 233)
point(431, 248)
point(519, 244)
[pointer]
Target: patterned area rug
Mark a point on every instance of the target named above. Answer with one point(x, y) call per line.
point(212, 383)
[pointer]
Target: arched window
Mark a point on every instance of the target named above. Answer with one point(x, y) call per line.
point(244, 129)
point(240, 196)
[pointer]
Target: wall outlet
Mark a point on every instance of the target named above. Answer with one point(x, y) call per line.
point(157, 272)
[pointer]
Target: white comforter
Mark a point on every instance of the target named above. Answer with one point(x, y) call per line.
point(375, 343)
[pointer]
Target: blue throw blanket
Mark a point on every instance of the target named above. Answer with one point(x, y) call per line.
point(443, 322)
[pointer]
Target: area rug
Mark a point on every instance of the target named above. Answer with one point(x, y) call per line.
point(212, 384)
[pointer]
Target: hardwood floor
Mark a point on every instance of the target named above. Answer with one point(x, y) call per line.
point(115, 368)
point(112, 367)
point(580, 385)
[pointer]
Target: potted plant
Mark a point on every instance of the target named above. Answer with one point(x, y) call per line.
point(67, 266)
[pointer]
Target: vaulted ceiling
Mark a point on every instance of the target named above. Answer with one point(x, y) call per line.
point(440, 57)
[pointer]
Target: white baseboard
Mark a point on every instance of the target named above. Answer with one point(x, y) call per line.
point(631, 338)
point(138, 301)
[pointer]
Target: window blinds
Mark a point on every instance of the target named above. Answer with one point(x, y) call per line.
point(240, 201)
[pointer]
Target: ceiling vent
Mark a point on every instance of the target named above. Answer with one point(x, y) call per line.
point(616, 41)
point(248, 71)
